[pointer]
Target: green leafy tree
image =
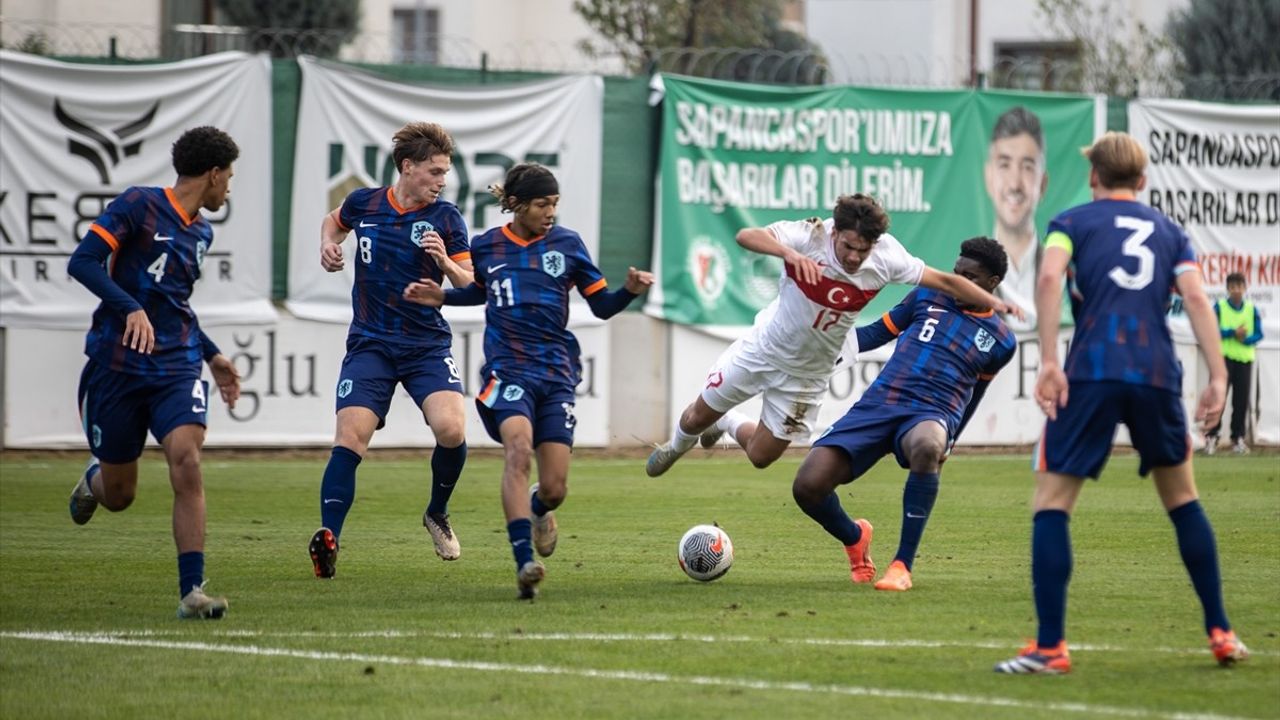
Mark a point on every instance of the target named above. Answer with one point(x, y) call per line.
point(1229, 48)
point(293, 27)
point(734, 39)
point(1117, 56)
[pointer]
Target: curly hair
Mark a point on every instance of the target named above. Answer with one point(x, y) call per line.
point(202, 149)
point(419, 141)
point(861, 214)
point(511, 192)
point(988, 253)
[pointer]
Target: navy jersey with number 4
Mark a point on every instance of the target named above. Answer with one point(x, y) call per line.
point(1125, 258)
point(941, 355)
point(156, 256)
point(388, 257)
point(527, 285)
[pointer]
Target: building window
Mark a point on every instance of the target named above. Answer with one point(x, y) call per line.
point(415, 35)
point(1051, 66)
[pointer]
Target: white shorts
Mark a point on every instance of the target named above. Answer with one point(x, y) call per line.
point(790, 403)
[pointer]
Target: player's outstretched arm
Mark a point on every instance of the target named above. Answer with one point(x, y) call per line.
point(332, 233)
point(965, 290)
point(1204, 325)
point(459, 272)
point(762, 241)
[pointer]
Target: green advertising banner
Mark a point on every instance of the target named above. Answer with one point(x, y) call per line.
point(737, 155)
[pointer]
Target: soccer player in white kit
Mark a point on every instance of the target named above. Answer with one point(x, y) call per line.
point(833, 268)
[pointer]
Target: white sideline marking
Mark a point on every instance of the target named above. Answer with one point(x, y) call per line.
point(658, 637)
point(627, 675)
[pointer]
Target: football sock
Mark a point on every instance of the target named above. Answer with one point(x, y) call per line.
point(1200, 555)
point(539, 508)
point(1050, 572)
point(917, 502)
point(520, 533)
point(828, 513)
point(446, 467)
point(338, 488)
point(682, 440)
point(190, 572)
point(730, 423)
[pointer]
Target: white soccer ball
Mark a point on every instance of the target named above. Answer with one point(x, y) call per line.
point(705, 553)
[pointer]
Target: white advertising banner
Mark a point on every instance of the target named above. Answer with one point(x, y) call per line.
point(1215, 169)
point(73, 136)
point(1008, 414)
point(346, 119)
point(289, 372)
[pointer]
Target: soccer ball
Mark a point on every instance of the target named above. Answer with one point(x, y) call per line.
point(705, 553)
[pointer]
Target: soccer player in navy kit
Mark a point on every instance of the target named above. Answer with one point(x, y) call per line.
point(145, 348)
point(403, 233)
point(947, 354)
point(524, 271)
point(1121, 367)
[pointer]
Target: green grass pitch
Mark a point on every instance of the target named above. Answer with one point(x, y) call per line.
point(87, 625)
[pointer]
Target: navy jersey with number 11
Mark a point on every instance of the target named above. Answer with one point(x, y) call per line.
point(527, 285)
point(1125, 258)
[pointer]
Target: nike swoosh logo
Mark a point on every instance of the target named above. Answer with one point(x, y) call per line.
point(518, 542)
point(365, 224)
point(918, 517)
point(452, 380)
point(934, 308)
point(449, 485)
point(337, 500)
point(495, 268)
point(162, 238)
point(718, 545)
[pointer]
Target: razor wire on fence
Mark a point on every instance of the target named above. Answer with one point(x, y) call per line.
point(130, 42)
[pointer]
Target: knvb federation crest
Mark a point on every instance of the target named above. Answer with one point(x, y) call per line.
point(420, 229)
point(512, 393)
point(984, 340)
point(344, 388)
point(553, 263)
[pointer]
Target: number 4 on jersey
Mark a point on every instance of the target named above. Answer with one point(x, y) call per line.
point(157, 268)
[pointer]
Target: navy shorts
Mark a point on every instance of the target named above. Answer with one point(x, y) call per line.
point(869, 431)
point(1079, 442)
point(117, 409)
point(549, 407)
point(372, 368)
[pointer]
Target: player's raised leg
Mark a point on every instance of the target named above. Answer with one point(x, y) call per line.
point(444, 412)
point(695, 419)
point(814, 491)
point(548, 494)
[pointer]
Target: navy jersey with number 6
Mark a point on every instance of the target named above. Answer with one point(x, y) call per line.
point(527, 285)
point(941, 355)
point(156, 256)
point(1125, 258)
point(388, 257)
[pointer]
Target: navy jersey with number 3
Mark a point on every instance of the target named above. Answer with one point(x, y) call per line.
point(387, 258)
point(527, 285)
point(1125, 258)
point(156, 256)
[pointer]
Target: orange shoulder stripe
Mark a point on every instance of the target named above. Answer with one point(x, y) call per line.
point(106, 235)
point(594, 287)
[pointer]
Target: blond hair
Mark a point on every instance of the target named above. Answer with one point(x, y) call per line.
point(1118, 159)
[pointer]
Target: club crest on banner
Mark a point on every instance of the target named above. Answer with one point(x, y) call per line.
point(708, 266)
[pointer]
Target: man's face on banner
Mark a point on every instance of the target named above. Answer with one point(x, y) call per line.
point(1015, 181)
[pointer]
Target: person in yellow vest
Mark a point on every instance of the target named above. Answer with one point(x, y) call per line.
point(1241, 328)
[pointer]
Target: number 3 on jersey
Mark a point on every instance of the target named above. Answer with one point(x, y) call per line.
point(1134, 247)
